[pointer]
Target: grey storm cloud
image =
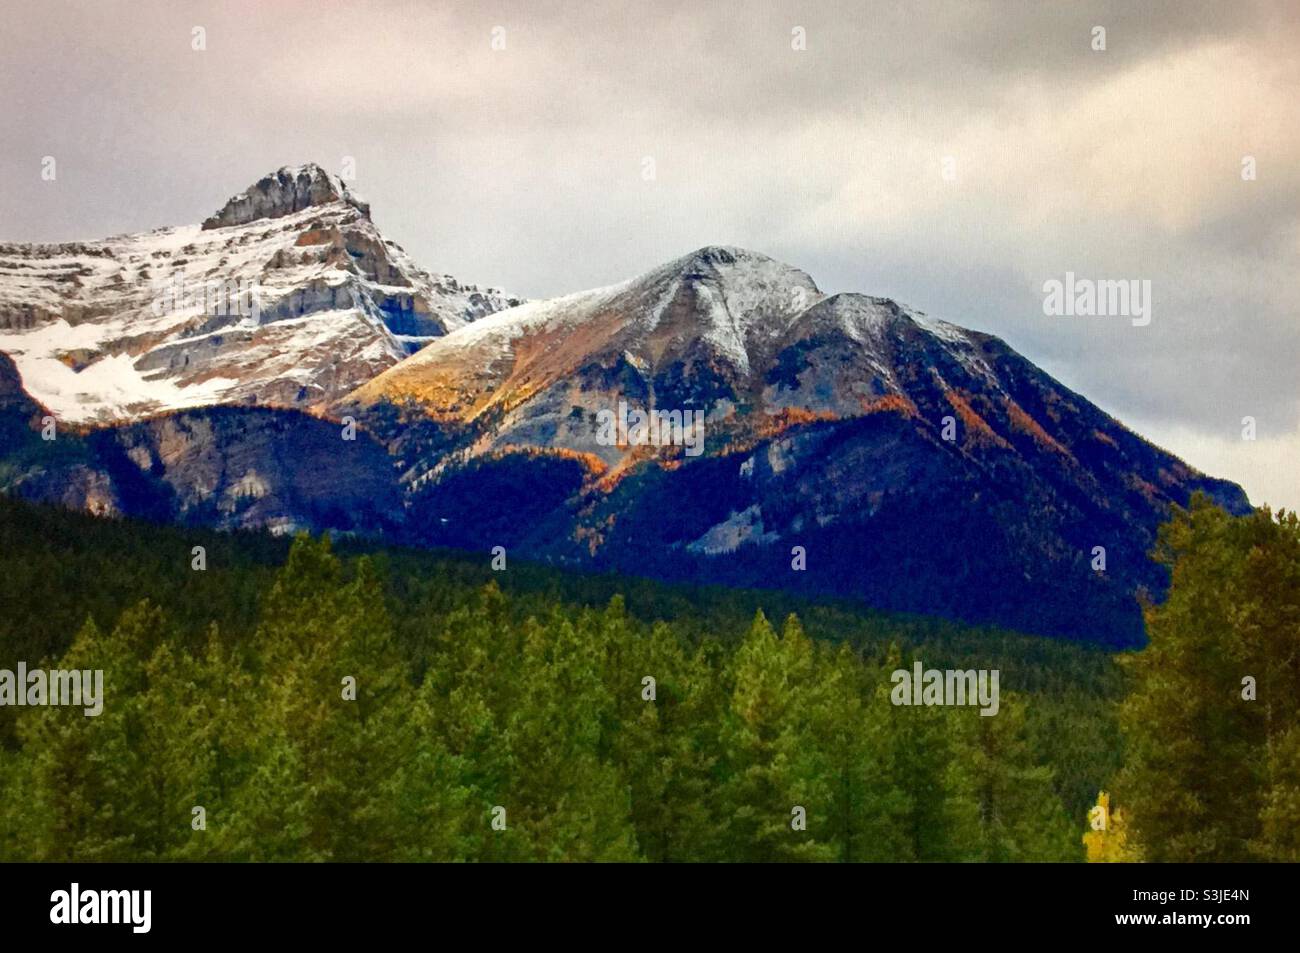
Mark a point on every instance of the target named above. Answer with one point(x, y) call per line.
point(523, 167)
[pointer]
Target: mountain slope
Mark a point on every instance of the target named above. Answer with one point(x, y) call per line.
point(228, 467)
point(707, 311)
point(919, 465)
point(287, 296)
point(847, 445)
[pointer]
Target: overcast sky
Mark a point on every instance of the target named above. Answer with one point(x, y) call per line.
point(525, 167)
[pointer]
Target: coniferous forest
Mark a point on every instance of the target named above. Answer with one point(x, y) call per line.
point(318, 700)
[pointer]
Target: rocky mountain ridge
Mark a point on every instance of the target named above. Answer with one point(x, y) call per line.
point(850, 446)
point(288, 296)
point(918, 464)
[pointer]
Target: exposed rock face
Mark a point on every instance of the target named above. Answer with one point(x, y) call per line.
point(289, 296)
point(921, 466)
point(228, 467)
point(851, 446)
point(13, 399)
point(691, 333)
point(284, 192)
point(244, 468)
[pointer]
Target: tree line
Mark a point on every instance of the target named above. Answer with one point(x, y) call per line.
point(338, 702)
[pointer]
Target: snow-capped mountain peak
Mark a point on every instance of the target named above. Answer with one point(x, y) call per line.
point(287, 296)
point(721, 306)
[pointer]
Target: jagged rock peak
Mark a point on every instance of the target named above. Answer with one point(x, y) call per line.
point(287, 190)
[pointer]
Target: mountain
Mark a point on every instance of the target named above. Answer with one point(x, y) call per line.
point(841, 445)
point(918, 465)
point(690, 333)
point(287, 296)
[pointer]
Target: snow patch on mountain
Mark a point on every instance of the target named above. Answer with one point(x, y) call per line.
point(729, 303)
point(112, 387)
point(98, 334)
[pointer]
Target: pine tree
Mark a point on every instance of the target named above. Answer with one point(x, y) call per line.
point(469, 693)
point(92, 792)
point(1021, 818)
point(666, 745)
point(1268, 619)
point(571, 805)
point(852, 726)
point(1194, 747)
point(773, 767)
point(932, 767)
point(195, 745)
point(331, 717)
